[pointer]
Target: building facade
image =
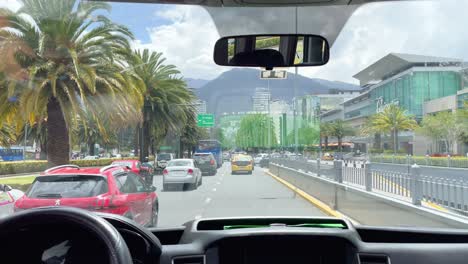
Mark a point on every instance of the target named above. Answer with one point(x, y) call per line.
point(419, 84)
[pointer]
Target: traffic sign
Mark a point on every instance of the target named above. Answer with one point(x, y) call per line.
point(205, 120)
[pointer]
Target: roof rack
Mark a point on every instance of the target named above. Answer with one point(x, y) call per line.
point(103, 169)
point(62, 166)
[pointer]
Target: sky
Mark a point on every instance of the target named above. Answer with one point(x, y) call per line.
point(186, 35)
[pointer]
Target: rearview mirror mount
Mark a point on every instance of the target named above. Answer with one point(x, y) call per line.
point(270, 51)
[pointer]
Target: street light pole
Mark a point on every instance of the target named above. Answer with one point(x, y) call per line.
point(268, 120)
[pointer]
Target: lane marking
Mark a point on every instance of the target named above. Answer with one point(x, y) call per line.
point(208, 200)
point(314, 201)
point(214, 189)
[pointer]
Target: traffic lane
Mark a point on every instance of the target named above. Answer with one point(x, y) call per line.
point(179, 206)
point(255, 195)
point(439, 172)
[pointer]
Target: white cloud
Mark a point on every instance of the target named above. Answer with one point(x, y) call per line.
point(423, 28)
point(11, 4)
point(187, 41)
point(373, 31)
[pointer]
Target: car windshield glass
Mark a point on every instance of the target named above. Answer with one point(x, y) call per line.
point(176, 163)
point(67, 186)
point(379, 134)
point(164, 156)
point(123, 163)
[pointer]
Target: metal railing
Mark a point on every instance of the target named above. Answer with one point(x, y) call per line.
point(412, 186)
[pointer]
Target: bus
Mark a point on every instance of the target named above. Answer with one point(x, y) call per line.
point(11, 154)
point(211, 146)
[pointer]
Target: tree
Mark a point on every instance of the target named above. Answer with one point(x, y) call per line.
point(7, 136)
point(391, 120)
point(447, 127)
point(253, 132)
point(167, 101)
point(63, 60)
point(325, 133)
point(340, 129)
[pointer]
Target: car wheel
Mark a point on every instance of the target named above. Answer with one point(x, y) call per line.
point(250, 173)
point(232, 172)
point(165, 187)
point(154, 215)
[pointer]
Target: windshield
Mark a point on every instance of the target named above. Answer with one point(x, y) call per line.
point(164, 157)
point(67, 186)
point(123, 163)
point(377, 135)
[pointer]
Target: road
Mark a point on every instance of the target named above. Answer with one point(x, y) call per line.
point(226, 195)
point(231, 195)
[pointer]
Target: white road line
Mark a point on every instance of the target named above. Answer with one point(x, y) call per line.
point(198, 217)
point(214, 189)
point(208, 200)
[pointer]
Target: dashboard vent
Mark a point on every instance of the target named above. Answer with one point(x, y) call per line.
point(199, 259)
point(372, 259)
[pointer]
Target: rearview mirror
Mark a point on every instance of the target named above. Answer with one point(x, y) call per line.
point(269, 51)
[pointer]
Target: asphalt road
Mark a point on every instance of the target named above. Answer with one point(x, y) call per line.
point(231, 195)
point(226, 195)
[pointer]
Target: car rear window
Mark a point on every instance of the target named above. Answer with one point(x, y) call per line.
point(68, 186)
point(175, 163)
point(164, 156)
point(202, 157)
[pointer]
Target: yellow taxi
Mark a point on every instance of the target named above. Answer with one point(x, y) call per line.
point(242, 163)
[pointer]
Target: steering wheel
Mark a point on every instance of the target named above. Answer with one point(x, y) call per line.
point(97, 227)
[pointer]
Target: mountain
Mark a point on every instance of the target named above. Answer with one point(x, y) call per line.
point(232, 91)
point(195, 83)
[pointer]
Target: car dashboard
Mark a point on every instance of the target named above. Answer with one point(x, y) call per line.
point(259, 240)
point(306, 240)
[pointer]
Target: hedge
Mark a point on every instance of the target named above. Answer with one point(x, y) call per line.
point(456, 162)
point(14, 167)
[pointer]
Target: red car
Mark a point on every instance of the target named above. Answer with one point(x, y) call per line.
point(112, 189)
point(133, 165)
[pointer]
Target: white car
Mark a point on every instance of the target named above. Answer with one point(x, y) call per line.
point(259, 158)
point(182, 172)
point(162, 159)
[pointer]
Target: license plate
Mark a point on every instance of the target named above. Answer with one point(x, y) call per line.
point(178, 173)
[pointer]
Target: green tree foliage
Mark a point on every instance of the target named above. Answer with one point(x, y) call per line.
point(325, 133)
point(390, 121)
point(340, 129)
point(62, 61)
point(253, 132)
point(447, 127)
point(167, 100)
point(307, 136)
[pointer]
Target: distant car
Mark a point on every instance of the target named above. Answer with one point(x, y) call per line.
point(133, 165)
point(259, 158)
point(162, 159)
point(182, 172)
point(242, 163)
point(206, 162)
point(112, 189)
point(91, 158)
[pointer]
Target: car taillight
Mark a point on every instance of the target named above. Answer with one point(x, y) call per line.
point(103, 203)
point(190, 171)
point(212, 162)
point(165, 171)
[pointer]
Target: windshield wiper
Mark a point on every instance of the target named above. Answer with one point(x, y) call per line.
point(49, 195)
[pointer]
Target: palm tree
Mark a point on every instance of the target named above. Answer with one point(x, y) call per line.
point(340, 129)
point(64, 55)
point(167, 101)
point(325, 133)
point(391, 120)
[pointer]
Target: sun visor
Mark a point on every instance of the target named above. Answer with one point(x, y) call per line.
point(326, 21)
